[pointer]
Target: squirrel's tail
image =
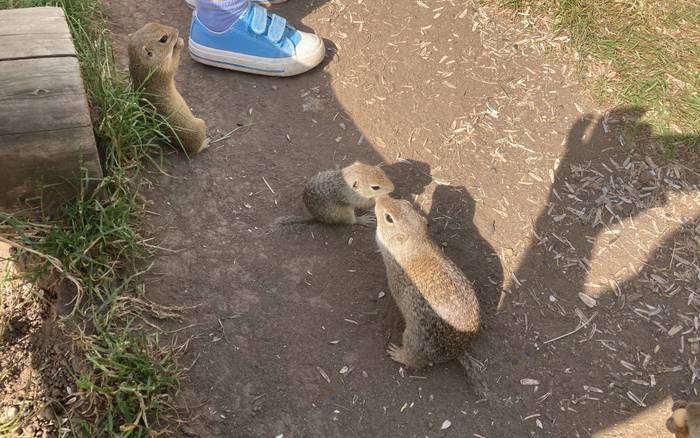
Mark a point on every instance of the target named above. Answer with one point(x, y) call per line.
point(473, 368)
point(284, 224)
point(291, 220)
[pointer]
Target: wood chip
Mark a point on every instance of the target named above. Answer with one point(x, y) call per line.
point(323, 374)
point(675, 329)
point(592, 389)
point(636, 399)
point(587, 300)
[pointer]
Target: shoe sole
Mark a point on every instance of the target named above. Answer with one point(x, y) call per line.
point(255, 64)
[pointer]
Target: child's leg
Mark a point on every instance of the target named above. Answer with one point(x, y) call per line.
point(242, 35)
point(219, 15)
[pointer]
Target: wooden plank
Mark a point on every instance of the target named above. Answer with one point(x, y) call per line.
point(45, 163)
point(73, 141)
point(46, 136)
point(44, 94)
point(34, 32)
point(33, 21)
point(37, 12)
point(23, 47)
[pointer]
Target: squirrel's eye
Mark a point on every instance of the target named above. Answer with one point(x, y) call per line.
point(163, 39)
point(388, 218)
point(375, 188)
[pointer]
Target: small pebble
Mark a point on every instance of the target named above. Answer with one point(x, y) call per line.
point(46, 413)
point(10, 413)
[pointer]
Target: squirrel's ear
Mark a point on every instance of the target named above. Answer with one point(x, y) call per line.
point(354, 185)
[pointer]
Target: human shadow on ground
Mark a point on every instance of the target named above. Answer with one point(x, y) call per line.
point(595, 188)
point(410, 177)
point(451, 224)
point(584, 202)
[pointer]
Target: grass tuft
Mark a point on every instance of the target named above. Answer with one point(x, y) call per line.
point(128, 380)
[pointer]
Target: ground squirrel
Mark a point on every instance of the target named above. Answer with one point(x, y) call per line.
point(685, 421)
point(437, 302)
point(154, 56)
point(333, 195)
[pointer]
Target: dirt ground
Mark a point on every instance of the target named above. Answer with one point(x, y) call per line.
point(529, 187)
point(34, 357)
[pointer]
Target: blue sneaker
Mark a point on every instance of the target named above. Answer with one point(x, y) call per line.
point(257, 43)
point(193, 3)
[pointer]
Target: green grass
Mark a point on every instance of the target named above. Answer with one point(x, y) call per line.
point(644, 53)
point(135, 374)
point(97, 243)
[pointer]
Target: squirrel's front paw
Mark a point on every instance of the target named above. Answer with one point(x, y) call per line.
point(367, 220)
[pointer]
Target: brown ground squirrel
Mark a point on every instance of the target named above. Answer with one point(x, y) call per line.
point(333, 195)
point(685, 421)
point(154, 56)
point(437, 302)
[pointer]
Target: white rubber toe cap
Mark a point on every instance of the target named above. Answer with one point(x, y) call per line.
point(308, 53)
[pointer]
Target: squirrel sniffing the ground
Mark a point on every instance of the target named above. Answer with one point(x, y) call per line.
point(332, 196)
point(154, 56)
point(685, 421)
point(438, 304)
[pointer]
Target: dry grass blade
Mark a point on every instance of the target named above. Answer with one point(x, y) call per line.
point(55, 263)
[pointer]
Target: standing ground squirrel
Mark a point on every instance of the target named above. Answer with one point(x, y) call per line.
point(154, 56)
point(437, 302)
point(333, 195)
point(685, 421)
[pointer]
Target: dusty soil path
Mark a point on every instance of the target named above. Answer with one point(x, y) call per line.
point(525, 187)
